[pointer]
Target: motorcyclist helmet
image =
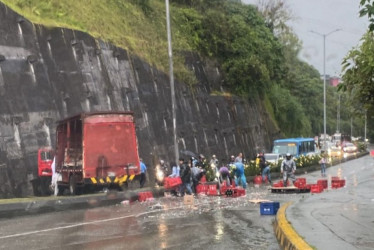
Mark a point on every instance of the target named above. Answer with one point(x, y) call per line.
point(288, 156)
point(162, 162)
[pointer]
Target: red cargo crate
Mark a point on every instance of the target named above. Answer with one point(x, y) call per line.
point(241, 191)
point(315, 188)
point(203, 179)
point(300, 184)
point(201, 189)
point(170, 182)
point(223, 190)
point(337, 183)
point(301, 180)
point(257, 180)
point(212, 190)
point(322, 183)
point(277, 185)
point(229, 192)
point(233, 183)
point(235, 192)
point(143, 196)
point(342, 183)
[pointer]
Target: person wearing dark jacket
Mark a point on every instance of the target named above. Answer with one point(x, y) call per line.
point(265, 168)
point(185, 174)
point(196, 174)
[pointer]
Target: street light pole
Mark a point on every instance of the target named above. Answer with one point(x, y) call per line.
point(173, 102)
point(365, 126)
point(324, 81)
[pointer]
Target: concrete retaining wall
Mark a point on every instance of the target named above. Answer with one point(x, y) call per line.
point(47, 74)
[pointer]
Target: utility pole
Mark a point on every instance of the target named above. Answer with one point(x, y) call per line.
point(351, 127)
point(365, 126)
point(338, 116)
point(171, 72)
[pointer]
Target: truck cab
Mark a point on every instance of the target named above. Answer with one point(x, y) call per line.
point(45, 159)
point(41, 183)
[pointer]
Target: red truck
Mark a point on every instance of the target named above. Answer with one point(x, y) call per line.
point(42, 182)
point(96, 150)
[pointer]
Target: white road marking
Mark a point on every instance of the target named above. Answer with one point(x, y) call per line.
point(81, 224)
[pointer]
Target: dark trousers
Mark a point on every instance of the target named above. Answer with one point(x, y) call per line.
point(195, 182)
point(142, 179)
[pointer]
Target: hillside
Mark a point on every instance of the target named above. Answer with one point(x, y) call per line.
point(127, 24)
point(140, 27)
point(254, 62)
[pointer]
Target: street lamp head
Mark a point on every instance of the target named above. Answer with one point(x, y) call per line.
point(325, 34)
point(333, 31)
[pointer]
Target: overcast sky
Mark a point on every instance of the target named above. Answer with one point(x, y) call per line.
point(324, 16)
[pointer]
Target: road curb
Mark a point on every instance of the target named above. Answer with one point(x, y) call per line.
point(62, 203)
point(287, 237)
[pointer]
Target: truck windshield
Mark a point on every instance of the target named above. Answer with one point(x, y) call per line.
point(46, 155)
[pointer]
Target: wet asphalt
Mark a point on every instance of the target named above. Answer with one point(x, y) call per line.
point(339, 218)
point(163, 223)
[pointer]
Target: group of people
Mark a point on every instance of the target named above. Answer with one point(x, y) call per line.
point(194, 169)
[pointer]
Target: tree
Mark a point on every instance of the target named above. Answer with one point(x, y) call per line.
point(358, 68)
point(368, 10)
point(358, 65)
point(358, 73)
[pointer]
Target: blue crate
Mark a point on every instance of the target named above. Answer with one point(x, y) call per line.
point(269, 208)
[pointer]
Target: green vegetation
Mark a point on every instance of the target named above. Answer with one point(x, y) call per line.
point(358, 72)
point(136, 25)
point(256, 51)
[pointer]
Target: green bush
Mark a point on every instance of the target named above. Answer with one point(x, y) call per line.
point(251, 169)
point(361, 146)
point(307, 161)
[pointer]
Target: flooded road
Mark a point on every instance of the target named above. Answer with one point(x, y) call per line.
point(164, 223)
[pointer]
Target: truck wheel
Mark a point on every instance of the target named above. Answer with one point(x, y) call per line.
point(36, 187)
point(72, 185)
point(61, 190)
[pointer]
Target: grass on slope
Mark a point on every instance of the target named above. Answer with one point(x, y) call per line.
point(125, 23)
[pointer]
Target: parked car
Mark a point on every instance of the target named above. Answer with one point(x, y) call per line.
point(272, 158)
point(349, 147)
point(335, 152)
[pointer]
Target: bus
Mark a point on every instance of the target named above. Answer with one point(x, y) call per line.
point(295, 146)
